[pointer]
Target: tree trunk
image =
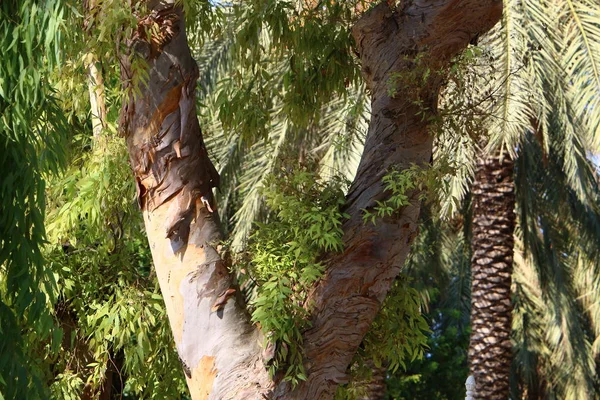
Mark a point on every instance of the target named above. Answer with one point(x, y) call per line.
point(96, 93)
point(375, 387)
point(218, 346)
point(95, 79)
point(490, 350)
point(410, 48)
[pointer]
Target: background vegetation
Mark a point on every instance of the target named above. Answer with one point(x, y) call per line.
point(284, 114)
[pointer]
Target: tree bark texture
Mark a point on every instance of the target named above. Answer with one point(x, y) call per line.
point(406, 41)
point(96, 93)
point(219, 348)
point(95, 78)
point(375, 387)
point(490, 350)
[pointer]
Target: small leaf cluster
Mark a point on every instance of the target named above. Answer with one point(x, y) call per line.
point(399, 183)
point(399, 333)
point(411, 79)
point(398, 337)
point(285, 258)
point(403, 184)
point(68, 386)
point(95, 194)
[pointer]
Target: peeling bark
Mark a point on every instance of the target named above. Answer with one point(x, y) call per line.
point(494, 220)
point(218, 347)
point(416, 36)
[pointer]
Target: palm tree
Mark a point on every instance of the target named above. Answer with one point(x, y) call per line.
point(535, 85)
point(555, 327)
point(546, 58)
point(491, 309)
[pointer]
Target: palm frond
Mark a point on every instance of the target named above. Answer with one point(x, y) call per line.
point(508, 108)
point(261, 161)
point(341, 134)
point(580, 57)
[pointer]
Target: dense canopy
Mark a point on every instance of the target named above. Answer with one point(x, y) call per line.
point(292, 199)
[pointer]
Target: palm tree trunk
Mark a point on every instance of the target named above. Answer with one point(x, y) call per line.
point(490, 350)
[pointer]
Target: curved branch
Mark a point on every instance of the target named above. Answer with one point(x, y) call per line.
point(415, 39)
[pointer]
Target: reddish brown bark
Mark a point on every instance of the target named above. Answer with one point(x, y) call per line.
point(217, 344)
point(418, 36)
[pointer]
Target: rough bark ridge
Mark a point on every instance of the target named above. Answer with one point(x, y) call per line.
point(406, 41)
point(218, 347)
point(490, 350)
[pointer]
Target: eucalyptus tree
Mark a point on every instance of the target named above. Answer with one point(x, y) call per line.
point(174, 177)
point(435, 36)
point(95, 252)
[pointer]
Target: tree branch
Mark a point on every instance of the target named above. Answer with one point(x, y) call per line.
point(414, 39)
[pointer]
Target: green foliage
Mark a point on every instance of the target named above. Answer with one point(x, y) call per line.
point(398, 334)
point(398, 337)
point(32, 140)
point(101, 262)
point(543, 77)
point(68, 386)
point(440, 375)
point(439, 268)
point(411, 81)
point(335, 143)
point(284, 258)
point(288, 58)
point(402, 186)
point(399, 183)
point(257, 113)
point(555, 270)
point(95, 194)
point(108, 303)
